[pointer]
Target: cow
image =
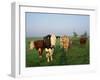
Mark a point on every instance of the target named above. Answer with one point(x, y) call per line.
point(46, 44)
point(65, 45)
point(83, 40)
point(65, 42)
point(38, 45)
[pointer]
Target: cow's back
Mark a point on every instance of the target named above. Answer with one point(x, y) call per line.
point(39, 44)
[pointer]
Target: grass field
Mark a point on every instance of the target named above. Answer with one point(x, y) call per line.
point(76, 55)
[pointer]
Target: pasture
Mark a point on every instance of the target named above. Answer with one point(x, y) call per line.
point(76, 55)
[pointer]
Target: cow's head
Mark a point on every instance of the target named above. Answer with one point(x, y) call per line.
point(53, 40)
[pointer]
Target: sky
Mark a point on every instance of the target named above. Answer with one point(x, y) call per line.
point(42, 24)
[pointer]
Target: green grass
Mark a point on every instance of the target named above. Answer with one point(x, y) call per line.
point(76, 55)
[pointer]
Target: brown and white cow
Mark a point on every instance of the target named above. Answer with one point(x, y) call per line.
point(38, 45)
point(49, 49)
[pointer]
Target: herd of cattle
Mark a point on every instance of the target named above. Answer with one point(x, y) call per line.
point(48, 44)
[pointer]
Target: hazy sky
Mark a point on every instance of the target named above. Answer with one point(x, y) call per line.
point(41, 24)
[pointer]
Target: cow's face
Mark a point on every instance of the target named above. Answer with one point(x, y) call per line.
point(53, 40)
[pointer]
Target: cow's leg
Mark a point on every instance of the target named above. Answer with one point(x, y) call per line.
point(66, 51)
point(40, 52)
point(47, 56)
point(50, 54)
point(51, 57)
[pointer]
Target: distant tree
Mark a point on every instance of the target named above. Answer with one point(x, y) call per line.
point(84, 35)
point(75, 34)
